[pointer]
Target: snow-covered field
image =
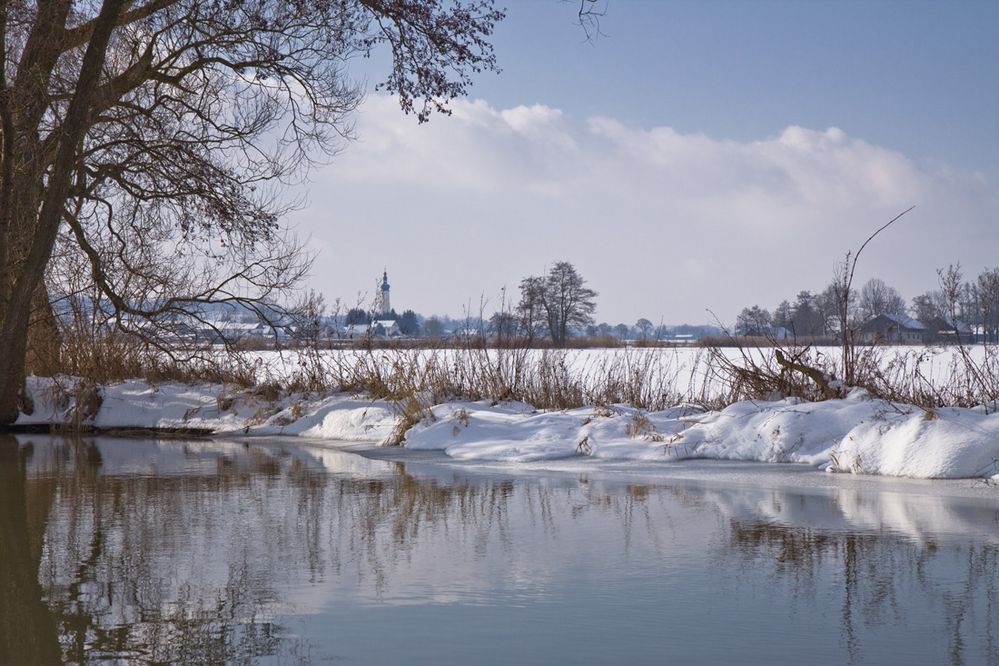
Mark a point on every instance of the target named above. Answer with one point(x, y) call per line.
point(858, 434)
point(684, 371)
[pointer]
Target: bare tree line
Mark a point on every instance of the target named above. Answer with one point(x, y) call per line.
point(974, 303)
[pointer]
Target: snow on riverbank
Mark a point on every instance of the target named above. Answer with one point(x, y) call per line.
point(214, 408)
point(857, 434)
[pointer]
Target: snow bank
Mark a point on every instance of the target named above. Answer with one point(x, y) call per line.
point(214, 408)
point(782, 431)
point(858, 434)
point(518, 433)
point(943, 443)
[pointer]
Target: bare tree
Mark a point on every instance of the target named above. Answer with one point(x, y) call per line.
point(150, 138)
point(988, 303)
point(951, 280)
point(568, 301)
point(828, 307)
point(433, 328)
point(929, 306)
point(878, 298)
point(754, 321)
point(644, 327)
point(531, 307)
point(555, 303)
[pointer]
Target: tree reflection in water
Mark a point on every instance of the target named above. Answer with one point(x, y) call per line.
point(173, 552)
point(27, 631)
point(876, 571)
point(106, 596)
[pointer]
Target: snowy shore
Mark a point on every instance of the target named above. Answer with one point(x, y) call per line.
point(857, 434)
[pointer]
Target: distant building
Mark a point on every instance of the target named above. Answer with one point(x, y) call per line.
point(379, 328)
point(894, 329)
point(946, 331)
point(384, 304)
point(386, 327)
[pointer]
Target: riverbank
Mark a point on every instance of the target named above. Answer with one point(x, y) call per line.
point(857, 434)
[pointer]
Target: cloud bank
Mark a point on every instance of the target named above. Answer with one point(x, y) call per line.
point(664, 225)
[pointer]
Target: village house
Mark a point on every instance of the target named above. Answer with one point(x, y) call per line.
point(943, 330)
point(894, 329)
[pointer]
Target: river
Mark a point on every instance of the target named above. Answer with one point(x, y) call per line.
point(282, 551)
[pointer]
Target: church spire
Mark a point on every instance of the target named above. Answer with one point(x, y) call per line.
point(386, 306)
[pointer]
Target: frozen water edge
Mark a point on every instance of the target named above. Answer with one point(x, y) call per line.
point(858, 434)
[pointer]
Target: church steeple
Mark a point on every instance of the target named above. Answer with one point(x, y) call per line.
point(386, 306)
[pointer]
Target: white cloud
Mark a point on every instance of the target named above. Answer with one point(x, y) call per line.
point(663, 224)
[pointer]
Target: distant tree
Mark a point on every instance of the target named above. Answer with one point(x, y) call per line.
point(951, 280)
point(409, 323)
point(929, 306)
point(663, 332)
point(753, 321)
point(827, 304)
point(568, 302)
point(357, 316)
point(806, 320)
point(877, 298)
point(644, 328)
point(433, 327)
point(988, 304)
point(782, 315)
point(603, 328)
point(622, 331)
point(531, 308)
point(558, 303)
point(969, 304)
point(503, 325)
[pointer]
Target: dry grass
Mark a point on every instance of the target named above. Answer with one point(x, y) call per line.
point(640, 427)
point(897, 375)
point(111, 357)
point(970, 380)
point(547, 379)
point(414, 379)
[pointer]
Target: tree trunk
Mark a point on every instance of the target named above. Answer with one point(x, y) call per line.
point(41, 229)
point(44, 337)
point(14, 342)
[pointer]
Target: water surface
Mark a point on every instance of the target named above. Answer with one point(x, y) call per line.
point(278, 552)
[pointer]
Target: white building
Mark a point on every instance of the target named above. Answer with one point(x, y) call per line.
point(386, 327)
point(385, 306)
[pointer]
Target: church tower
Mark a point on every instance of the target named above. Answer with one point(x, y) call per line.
point(386, 306)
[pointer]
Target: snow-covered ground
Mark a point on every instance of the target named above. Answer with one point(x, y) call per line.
point(682, 371)
point(857, 434)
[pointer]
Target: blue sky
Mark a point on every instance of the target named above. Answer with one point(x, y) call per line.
point(690, 144)
point(920, 77)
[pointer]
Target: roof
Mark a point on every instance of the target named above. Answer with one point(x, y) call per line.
point(951, 324)
point(905, 321)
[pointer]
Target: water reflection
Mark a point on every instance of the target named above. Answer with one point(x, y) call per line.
point(224, 551)
point(877, 574)
point(27, 631)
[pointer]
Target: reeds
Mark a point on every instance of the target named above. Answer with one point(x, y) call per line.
point(652, 378)
point(544, 378)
